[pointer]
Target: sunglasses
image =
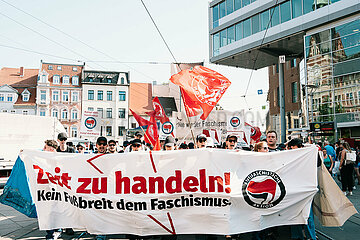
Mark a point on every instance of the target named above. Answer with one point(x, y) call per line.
point(80, 148)
point(102, 144)
point(232, 140)
point(266, 148)
point(111, 145)
point(136, 145)
point(202, 140)
point(62, 139)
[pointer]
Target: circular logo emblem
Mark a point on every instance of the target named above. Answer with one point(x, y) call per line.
point(263, 189)
point(167, 128)
point(90, 122)
point(316, 125)
point(235, 121)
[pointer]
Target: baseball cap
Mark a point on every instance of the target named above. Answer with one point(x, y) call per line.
point(62, 135)
point(80, 145)
point(138, 134)
point(200, 136)
point(169, 141)
point(231, 136)
point(136, 141)
point(101, 139)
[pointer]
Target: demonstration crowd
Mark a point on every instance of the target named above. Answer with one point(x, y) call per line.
point(338, 159)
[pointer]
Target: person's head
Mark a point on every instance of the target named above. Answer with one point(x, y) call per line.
point(183, 146)
point(295, 143)
point(326, 143)
point(80, 147)
point(62, 137)
point(169, 143)
point(346, 145)
point(210, 142)
point(136, 145)
point(50, 146)
point(101, 144)
point(138, 135)
point(201, 140)
point(271, 138)
point(191, 145)
point(112, 146)
point(261, 147)
point(324, 151)
point(126, 143)
point(231, 141)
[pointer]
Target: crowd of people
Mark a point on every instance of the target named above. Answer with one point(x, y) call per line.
point(338, 159)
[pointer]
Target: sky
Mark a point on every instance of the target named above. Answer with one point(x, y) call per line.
point(118, 35)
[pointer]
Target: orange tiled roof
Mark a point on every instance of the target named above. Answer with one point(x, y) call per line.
point(140, 100)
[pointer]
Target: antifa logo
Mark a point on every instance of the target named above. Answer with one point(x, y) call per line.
point(263, 189)
point(235, 121)
point(90, 122)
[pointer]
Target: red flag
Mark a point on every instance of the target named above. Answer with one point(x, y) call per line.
point(151, 134)
point(159, 111)
point(201, 88)
point(141, 121)
point(255, 133)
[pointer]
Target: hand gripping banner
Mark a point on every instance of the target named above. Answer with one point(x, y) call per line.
point(210, 191)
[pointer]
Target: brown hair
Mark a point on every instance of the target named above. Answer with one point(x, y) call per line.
point(51, 143)
point(258, 146)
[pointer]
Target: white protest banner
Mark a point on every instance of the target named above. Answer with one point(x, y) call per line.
point(204, 191)
point(90, 125)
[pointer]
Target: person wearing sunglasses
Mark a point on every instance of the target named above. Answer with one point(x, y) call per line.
point(80, 148)
point(136, 146)
point(231, 141)
point(112, 146)
point(261, 147)
point(62, 137)
point(101, 145)
point(201, 141)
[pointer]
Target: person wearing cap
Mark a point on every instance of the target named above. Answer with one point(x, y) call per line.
point(183, 146)
point(201, 141)
point(101, 145)
point(62, 137)
point(112, 146)
point(80, 148)
point(231, 141)
point(50, 146)
point(169, 143)
point(136, 146)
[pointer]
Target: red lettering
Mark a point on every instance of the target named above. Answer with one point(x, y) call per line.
point(51, 177)
point(65, 178)
point(190, 184)
point(82, 188)
point(139, 187)
point(40, 179)
point(219, 180)
point(95, 185)
point(119, 181)
point(169, 183)
point(159, 181)
point(203, 187)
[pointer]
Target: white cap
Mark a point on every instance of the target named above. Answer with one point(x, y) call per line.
point(209, 142)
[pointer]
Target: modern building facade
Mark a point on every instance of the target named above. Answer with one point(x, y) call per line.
point(253, 34)
point(18, 90)
point(59, 94)
point(108, 93)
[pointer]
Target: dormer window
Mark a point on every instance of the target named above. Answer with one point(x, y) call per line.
point(50, 67)
point(25, 97)
point(66, 80)
point(75, 80)
point(56, 79)
point(59, 68)
point(74, 69)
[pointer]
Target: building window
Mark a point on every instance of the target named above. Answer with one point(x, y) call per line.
point(74, 114)
point(100, 95)
point(64, 114)
point(55, 96)
point(122, 95)
point(2, 98)
point(133, 125)
point(91, 95)
point(109, 95)
point(285, 12)
point(296, 7)
point(43, 78)
point(109, 113)
point(293, 63)
point(74, 69)
point(9, 98)
point(66, 80)
point(121, 131)
point(74, 96)
point(42, 96)
point(25, 112)
point(56, 79)
point(294, 92)
point(121, 112)
point(122, 80)
point(25, 97)
point(59, 68)
point(275, 19)
point(73, 131)
point(55, 113)
point(296, 123)
point(246, 28)
point(91, 109)
point(75, 80)
point(65, 96)
point(42, 112)
point(108, 131)
point(101, 112)
point(50, 67)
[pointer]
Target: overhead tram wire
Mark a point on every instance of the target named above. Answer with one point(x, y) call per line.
point(257, 55)
point(42, 35)
point(76, 39)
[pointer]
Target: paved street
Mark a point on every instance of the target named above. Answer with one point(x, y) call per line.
point(14, 225)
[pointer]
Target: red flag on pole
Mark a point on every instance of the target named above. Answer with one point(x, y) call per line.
point(201, 88)
point(159, 111)
point(141, 121)
point(151, 134)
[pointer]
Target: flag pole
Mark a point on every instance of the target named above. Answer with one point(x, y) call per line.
point(145, 135)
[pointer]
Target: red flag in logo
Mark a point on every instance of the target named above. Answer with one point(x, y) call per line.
point(141, 121)
point(201, 88)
